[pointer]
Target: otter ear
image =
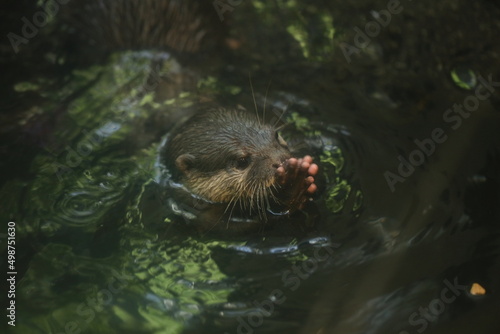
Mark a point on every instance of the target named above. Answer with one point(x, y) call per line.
point(185, 162)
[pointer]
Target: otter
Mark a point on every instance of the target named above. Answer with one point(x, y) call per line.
point(178, 26)
point(230, 157)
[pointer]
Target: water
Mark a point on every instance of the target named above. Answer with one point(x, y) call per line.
point(404, 224)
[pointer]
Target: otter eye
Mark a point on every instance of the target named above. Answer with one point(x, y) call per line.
point(243, 162)
point(280, 139)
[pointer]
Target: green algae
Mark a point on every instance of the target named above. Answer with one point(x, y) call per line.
point(335, 158)
point(464, 78)
point(312, 30)
point(26, 86)
point(211, 85)
point(301, 123)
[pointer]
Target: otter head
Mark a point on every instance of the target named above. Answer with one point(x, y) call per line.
point(227, 156)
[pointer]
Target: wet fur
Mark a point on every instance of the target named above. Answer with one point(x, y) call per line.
point(203, 153)
point(179, 25)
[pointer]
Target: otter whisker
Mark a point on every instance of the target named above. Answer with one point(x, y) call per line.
point(242, 204)
point(255, 189)
point(266, 197)
point(259, 203)
point(279, 128)
point(233, 201)
point(229, 217)
point(252, 187)
point(265, 201)
point(228, 205)
point(265, 100)
point(254, 101)
point(216, 223)
point(254, 199)
point(268, 205)
point(240, 192)
point(237, 198)
point(279, 119)
point(273, 196)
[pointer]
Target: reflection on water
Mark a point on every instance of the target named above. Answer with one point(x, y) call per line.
point(100, 250)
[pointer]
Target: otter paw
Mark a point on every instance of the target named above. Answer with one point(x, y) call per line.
point(296, 178)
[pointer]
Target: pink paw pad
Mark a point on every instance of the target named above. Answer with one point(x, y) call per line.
point(296, 177)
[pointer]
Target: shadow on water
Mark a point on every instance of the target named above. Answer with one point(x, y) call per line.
point(403, 122)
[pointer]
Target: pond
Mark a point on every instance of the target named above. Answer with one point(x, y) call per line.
point(397, 102)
